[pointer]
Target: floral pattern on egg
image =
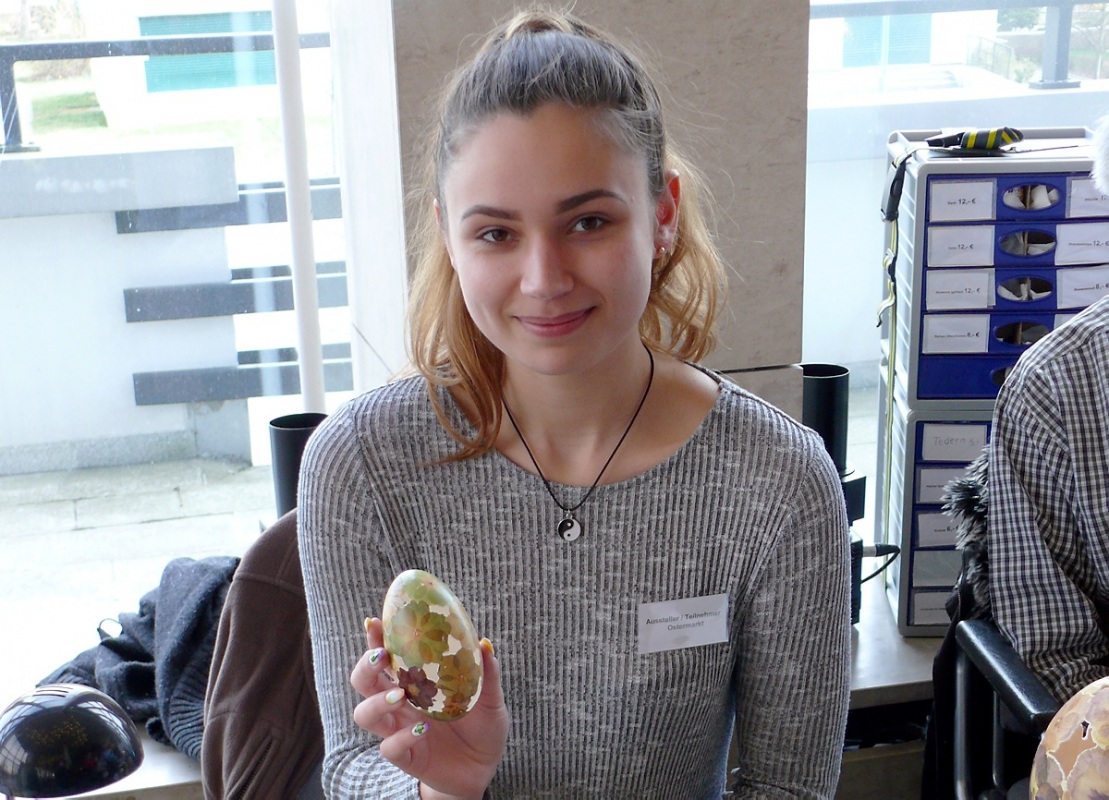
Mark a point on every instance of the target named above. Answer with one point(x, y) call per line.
point(433, 648)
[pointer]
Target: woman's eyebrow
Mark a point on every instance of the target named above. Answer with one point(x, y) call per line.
point(585, 197)
point(561, 207)
point(489, 211)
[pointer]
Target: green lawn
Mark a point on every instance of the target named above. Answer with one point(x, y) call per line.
point(67, 111)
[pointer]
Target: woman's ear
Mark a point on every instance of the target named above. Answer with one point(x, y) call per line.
point(666, 210)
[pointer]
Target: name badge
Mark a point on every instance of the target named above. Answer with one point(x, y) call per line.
point(675, 624)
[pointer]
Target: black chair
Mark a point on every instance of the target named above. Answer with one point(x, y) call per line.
point(1022, 707)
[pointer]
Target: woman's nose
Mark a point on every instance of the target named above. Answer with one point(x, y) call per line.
point(544, 272)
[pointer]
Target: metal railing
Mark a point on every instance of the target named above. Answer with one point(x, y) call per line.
point(193, 44)
point(1054, 67)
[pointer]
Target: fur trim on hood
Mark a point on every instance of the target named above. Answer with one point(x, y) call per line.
point(966, 501)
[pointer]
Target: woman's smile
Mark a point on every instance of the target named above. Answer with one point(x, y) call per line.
point(553, 326)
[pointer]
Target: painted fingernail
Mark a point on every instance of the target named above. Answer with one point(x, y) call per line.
point(366, 623)
point(393, 696)
point(375, 655)
point(488, 645)
point(420, 729)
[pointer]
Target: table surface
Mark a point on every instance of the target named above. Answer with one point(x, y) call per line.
point(165, 774)
point(886, 668)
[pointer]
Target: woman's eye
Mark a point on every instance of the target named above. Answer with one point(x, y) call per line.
point(586, 224)
point(494, 236)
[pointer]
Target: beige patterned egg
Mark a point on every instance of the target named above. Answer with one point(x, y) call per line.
point(433, 648)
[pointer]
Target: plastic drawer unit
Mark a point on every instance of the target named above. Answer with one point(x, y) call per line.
point(1018, 237)
point(928, 450)
point(993, 252)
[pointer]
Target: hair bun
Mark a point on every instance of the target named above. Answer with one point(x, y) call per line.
point(532, 22)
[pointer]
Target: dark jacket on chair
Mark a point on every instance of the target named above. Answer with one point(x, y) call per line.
point(157, 666)
point(263, 737)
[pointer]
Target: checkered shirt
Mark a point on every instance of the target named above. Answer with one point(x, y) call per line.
point(1049, 504)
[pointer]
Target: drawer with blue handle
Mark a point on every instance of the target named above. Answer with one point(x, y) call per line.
point(1010, 197)
point(960, 333)
point(1032, 196)
point(962, 377)
point(1017, 244)
point(1023, 289)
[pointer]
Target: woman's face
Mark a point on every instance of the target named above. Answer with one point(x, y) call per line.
point(551, 229)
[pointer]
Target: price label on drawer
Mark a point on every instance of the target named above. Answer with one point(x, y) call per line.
point(960, 245)
point(1081, 286)
point(957, 442)
point(956, 333)
point(935, 529)
point(952, 289)
point(959, 201)
point(931, 483)
point(1084, 199)
point(929, 608)
point(1082, 243)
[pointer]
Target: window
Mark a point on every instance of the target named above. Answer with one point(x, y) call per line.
point(208, 70)
point(146, 285)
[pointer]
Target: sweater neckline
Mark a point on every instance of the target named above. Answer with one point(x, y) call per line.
point(462, 423)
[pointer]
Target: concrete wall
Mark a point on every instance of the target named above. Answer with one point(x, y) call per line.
point(66, 392)
point(734, 79)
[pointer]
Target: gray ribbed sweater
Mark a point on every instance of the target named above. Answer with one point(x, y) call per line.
point(750, 506)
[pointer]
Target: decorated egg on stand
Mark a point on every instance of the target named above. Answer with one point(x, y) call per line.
point(434, 651)
point(1072, 759)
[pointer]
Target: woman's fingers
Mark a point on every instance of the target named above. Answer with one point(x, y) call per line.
point(385, 712)
point(491, 671)
point(375, 633)
point(400, 747)
point(368, 676)
point(382, 712)
point(458, 757)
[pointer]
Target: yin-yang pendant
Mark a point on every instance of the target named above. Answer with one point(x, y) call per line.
point(569, 528)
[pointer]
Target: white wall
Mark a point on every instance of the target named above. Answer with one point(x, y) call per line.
point(67, 396)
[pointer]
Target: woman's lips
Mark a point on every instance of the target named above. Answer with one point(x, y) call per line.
point(555, 326)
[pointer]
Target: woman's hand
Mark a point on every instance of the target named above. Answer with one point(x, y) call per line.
point(456, 758)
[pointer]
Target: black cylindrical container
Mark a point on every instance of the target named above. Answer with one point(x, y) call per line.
point(288, 435)
point(824, 408)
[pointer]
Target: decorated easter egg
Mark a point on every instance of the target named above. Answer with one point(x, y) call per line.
point(433, 648)
point(1072, 759)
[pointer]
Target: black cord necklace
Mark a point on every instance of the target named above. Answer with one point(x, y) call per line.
point(570, 528)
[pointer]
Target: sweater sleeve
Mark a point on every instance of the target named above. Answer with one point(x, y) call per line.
point(347, 568)
point(793, 679)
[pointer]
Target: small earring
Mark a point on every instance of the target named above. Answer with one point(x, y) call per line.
point(662, 253)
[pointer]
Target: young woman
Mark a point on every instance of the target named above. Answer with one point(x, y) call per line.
point(661, 558)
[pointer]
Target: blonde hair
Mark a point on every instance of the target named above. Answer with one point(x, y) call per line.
point(535, 59)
